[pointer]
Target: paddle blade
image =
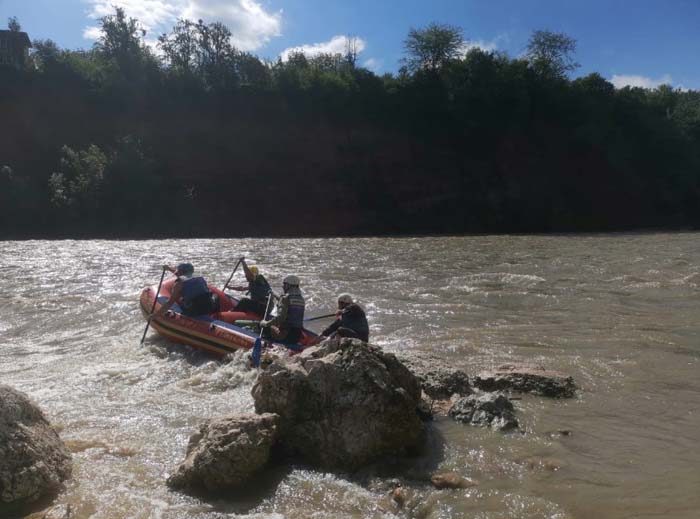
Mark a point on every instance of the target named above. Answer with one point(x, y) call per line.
point(257, 352)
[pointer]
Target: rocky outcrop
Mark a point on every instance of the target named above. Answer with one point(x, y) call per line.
point(527, 379)
point(487, 410)
point(33, 459)
point(439, 381)
point(342, 404)
point(226, 452)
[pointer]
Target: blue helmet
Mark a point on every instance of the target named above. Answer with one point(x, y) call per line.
point(185, 269)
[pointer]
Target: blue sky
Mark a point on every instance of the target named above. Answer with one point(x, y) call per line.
point(642, 42)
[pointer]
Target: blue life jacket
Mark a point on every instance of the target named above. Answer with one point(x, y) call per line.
point(193, 289)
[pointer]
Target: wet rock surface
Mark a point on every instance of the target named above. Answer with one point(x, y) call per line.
point(487, 410)
point(33, 459)
point(438, 379)
point(443, 480)
point(527, 379)
point(225, 452)
point(342, 404)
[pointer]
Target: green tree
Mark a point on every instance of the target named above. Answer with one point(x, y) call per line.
point(431, 48)
point(552, 53)
point(80, 179)
point(121, 43)
point(13, 24)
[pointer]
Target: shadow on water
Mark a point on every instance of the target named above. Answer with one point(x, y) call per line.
point(414, 468)
point(249, 496)
point(24, 509)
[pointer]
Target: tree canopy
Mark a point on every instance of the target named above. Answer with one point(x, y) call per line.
point(433, 47)
point(199, 138)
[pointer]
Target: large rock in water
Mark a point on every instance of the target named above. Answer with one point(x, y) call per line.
point(487, 410)
point(438, 379)
point(527, 379)
point(226, 452)
point(33, 459)
point(342, 404)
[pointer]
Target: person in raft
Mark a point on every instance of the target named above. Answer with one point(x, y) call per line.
point(287, 325)
point(258, 288)
point(191, 293)
point(350, 321)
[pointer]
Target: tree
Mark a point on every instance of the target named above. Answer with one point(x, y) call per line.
point(13, 24)
point(121, 41)
point(431, 48)
point(551, 53)
point(79, 183)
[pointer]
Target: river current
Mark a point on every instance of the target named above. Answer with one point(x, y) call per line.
point(620, 313)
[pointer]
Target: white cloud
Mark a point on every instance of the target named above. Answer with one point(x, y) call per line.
point(252, 26)
point(336, 45)
point(373, 64)
point(621, 81)
point(92, 33)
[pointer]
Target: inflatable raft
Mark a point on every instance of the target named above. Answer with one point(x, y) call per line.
point(216, 333)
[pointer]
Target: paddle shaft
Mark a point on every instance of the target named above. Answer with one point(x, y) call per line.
point(232, 273)
point(155, 300)
point(319, 317)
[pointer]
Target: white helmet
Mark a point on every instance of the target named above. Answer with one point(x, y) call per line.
point(345, 299)
point(291, 280)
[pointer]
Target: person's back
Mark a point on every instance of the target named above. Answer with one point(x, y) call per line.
point(196, 296)
point(351, 321)
point(354, 318)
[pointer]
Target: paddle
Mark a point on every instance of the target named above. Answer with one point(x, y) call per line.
point(155, 300)
point(232, 273)
point(257, 347)
point(319, 317)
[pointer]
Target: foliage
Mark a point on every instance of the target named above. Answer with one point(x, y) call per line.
point(79, 181)
point(13, 24)
point(204, 139)
point(552, 53)
point(433, 47)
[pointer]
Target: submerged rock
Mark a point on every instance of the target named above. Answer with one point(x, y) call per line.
point(226, 452)
point(442, 480)
point(527, 379)
point(342, 404)
point(33, 459)
point(488, 410)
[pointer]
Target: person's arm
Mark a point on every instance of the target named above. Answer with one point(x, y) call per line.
point(333, 327)
point(239, 289)
point(281, 316)
point(174, 296)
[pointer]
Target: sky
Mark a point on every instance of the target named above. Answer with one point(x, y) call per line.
point(630, 42)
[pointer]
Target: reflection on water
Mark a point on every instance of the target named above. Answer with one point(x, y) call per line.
point(619, 313)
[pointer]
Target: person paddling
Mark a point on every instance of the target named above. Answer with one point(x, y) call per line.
point(288, 324)
point(191, 293)
point(258, 289)
point(351, 321)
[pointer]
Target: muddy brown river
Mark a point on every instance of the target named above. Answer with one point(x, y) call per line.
point(620, 313)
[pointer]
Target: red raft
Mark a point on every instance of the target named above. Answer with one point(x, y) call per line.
point(216, 333)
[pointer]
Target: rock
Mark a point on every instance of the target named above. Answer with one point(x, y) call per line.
point(488, 410)
point(438, 380)
point(444, 480)
point(342, 404)
point(226, 452)
point(33, 459)
point(527, 379)
point(55, 512)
